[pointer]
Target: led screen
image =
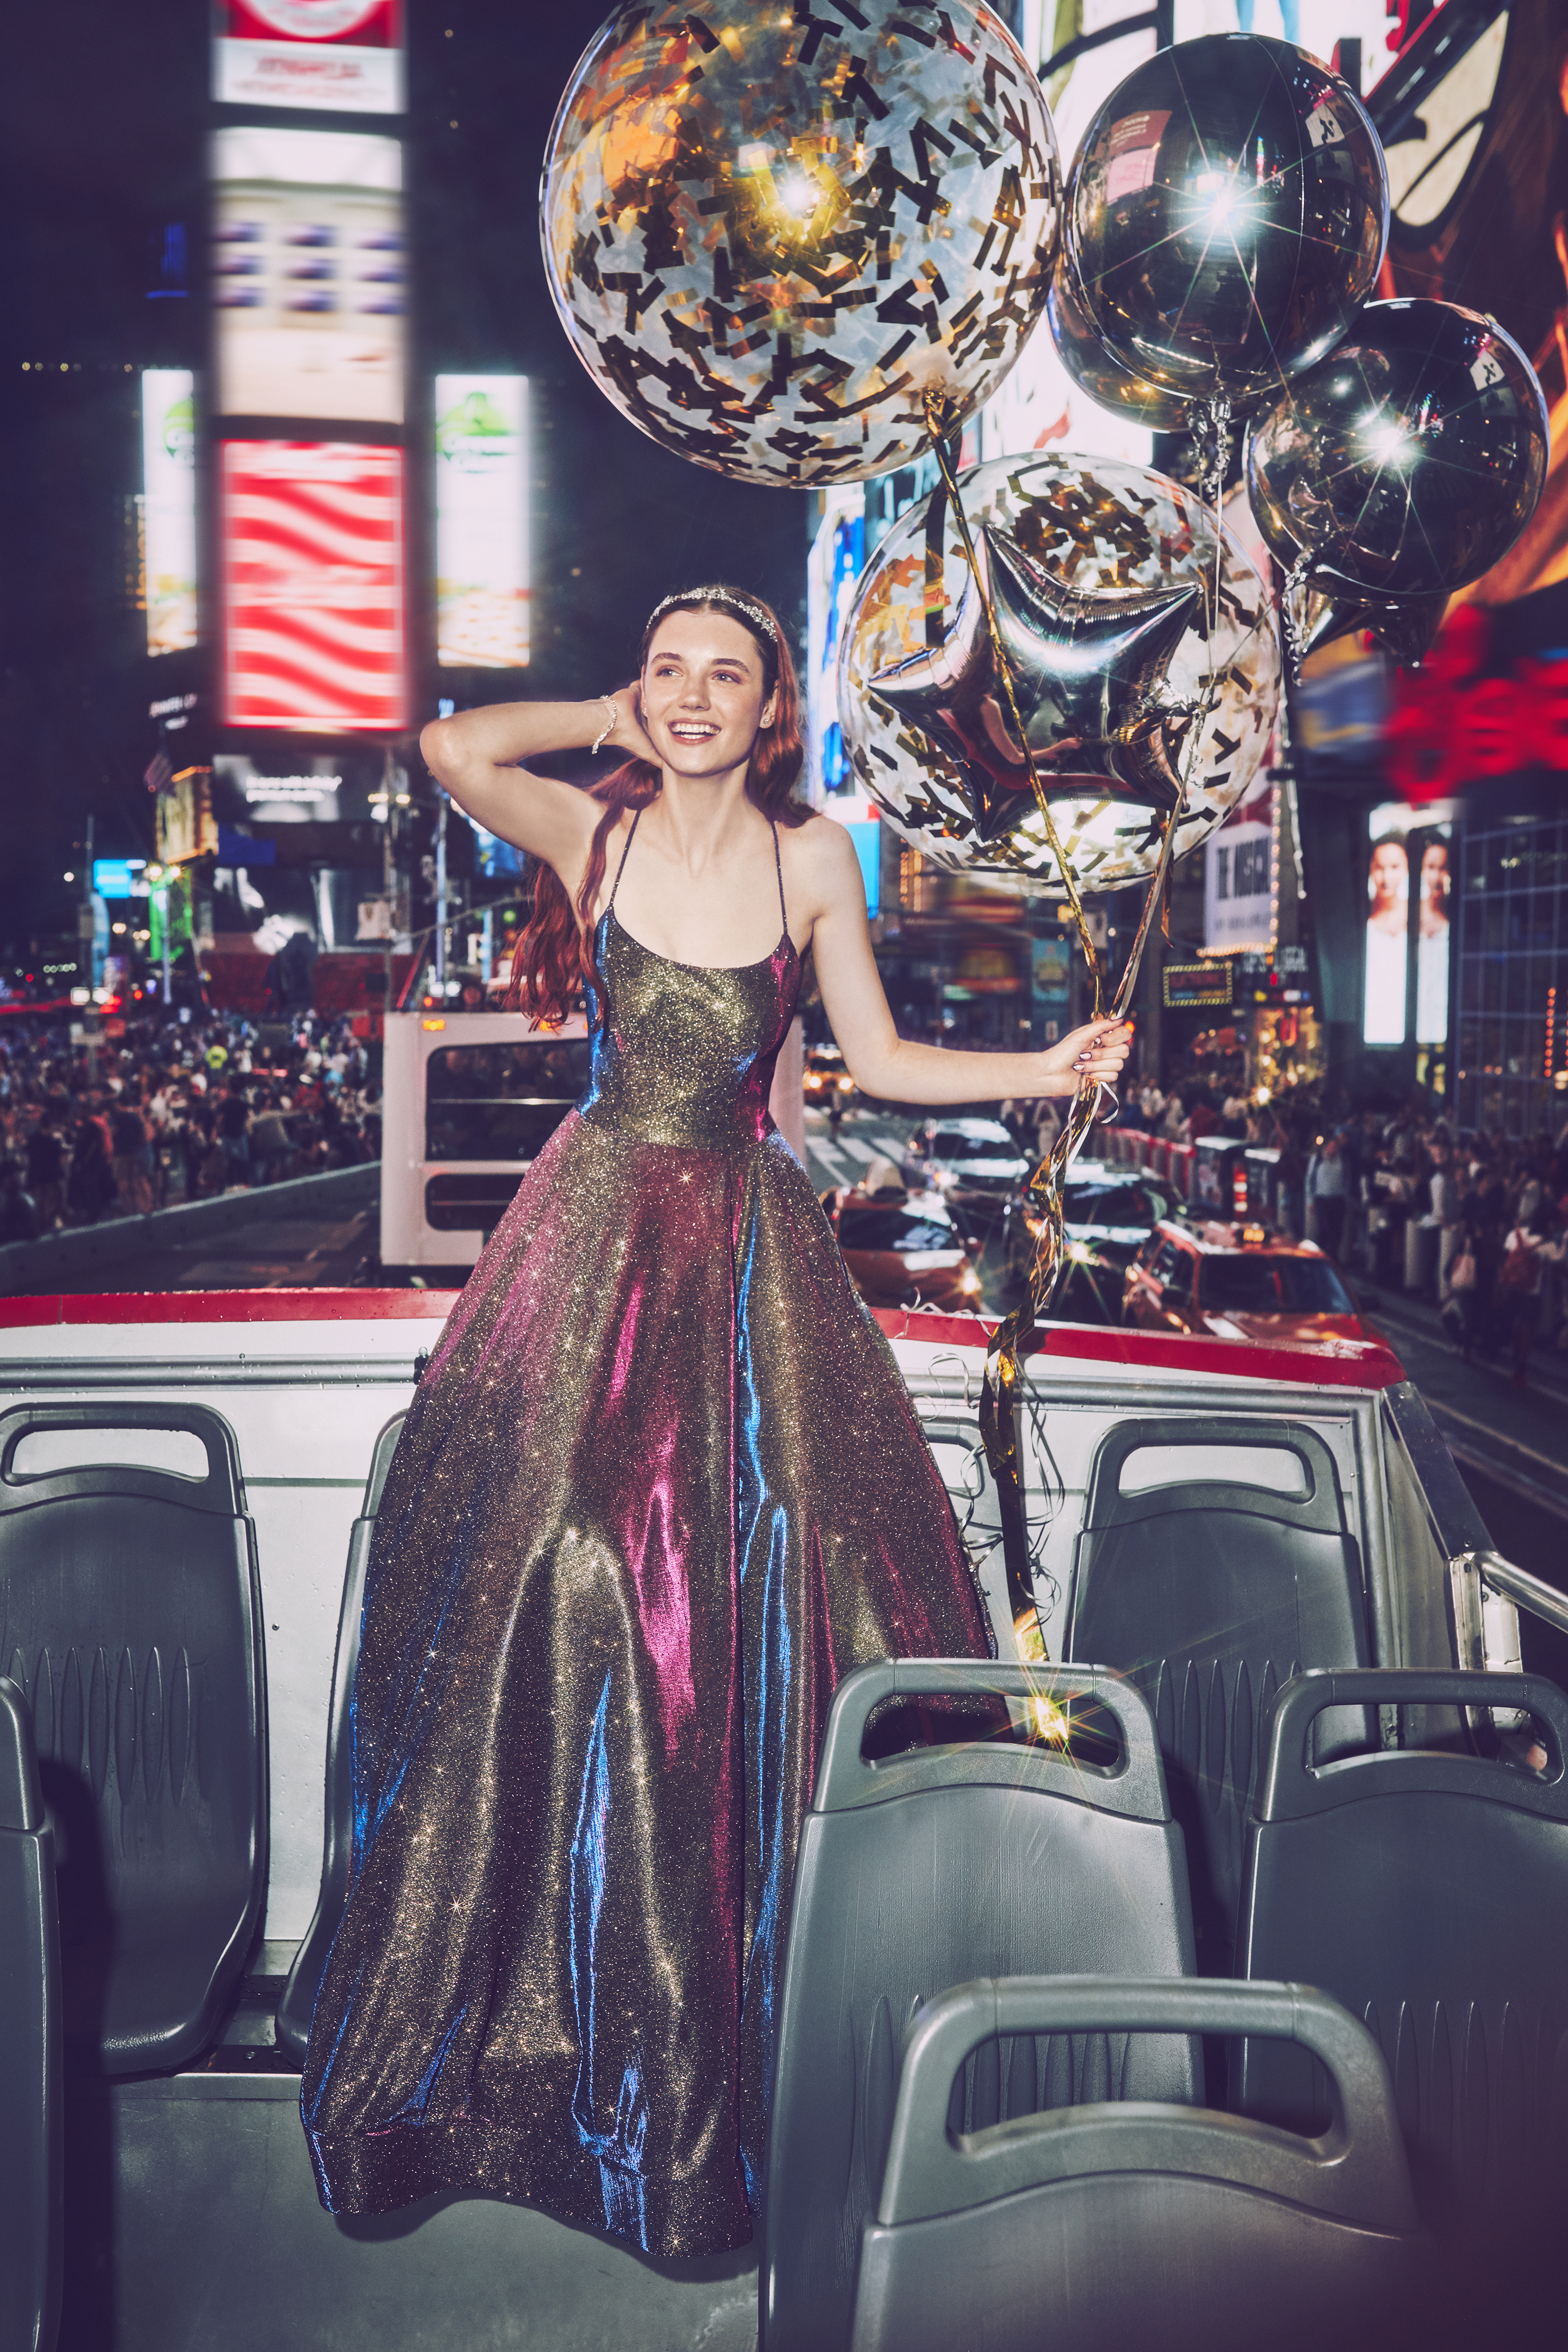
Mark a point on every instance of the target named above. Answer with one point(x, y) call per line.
point(309, 274)
point(481, 522)
point(169, 485)
point(1409, 883)
point(312, 586)
point(343, 55)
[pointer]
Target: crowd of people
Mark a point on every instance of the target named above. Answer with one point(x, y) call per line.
point(1476, 1224)
point(172, 1110)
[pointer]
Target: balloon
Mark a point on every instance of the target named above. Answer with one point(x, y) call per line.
point(1408, 461)
point(769, 232)
point(1406, 627)
point(1104, 577)
point(1225, 213)
point(1095, 370)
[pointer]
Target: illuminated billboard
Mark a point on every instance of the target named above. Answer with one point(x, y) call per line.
point(481, 522)
point(309, 279)
point(345, 55)
point(169, 486)
point(312, 586)
point(1241, 872)
point(1409, 885)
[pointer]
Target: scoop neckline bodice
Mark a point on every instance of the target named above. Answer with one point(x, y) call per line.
point(723, 971)
point(720, 970)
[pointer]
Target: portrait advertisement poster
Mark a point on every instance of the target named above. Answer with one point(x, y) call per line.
point(310, 285)
point(342, 55)
point(481, 522)
point(313, 586)
point(1409, 883)
point(169, 489)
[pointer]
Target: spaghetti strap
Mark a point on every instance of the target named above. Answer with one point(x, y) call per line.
point(778, 868)
point(626, 853)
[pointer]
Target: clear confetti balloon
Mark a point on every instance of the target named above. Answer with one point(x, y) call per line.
point(769, 231)
point(1130, 617)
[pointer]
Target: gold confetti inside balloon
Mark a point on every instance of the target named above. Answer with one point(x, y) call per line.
point(769, 229)
point(1124, 634)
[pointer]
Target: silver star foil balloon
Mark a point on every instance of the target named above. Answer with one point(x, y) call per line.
point(1407, 462)
point(1225, 212)
point(1120, 596)
point(1087, 674)
point(1317, 613)
point(769, 230)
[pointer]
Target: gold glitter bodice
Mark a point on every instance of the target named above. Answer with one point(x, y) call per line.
point(684, 1052)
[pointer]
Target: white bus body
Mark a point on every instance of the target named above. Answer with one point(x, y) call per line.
point(468, 1099)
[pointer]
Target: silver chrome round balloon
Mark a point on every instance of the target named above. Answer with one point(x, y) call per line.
point(1225, 212)
point(1409, 460)
point(1096, 370)
point(1104, 577)
point(769, 231)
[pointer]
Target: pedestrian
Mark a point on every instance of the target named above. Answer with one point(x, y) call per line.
point(234, 1134)
point(132, 1157)
point(1459, 1294)
point(270, 1144)
point(46, 1171)
point(19, 1218)
point(89, 1187)
point(1329, 1195)
point(1520, 1285)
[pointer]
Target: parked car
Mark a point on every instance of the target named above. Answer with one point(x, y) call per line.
point(1108, 1214)
point(974, 1163)
point(1232, 1281)
point(904, 1250)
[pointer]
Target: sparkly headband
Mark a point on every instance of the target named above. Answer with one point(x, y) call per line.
point(754, 612)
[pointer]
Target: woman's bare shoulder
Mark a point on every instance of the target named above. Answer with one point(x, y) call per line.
point(820, 850)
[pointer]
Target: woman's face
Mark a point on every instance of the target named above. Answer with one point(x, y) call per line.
point(1389, 875)
point(702, 693)
point(1435, 877)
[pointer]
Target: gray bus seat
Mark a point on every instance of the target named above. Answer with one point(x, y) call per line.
point(1428, 1892)
point(298, 2001)
point(918, 1873)
point(130, 1613)
point(1159, 2226)
point(30, 2192)
point(1210, 1592)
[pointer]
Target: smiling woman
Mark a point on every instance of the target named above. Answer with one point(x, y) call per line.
point(661, 1486)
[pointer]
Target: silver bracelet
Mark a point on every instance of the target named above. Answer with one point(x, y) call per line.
point(611, 723)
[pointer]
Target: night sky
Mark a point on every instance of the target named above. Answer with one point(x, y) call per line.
point(102, 144)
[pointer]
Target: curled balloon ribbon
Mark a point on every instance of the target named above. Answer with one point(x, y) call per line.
point(998, 1413)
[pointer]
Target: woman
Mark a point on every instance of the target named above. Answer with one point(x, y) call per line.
point(1520, 1284)
point(659, 1488)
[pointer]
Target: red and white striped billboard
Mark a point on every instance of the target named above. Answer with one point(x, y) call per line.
point(313, 625)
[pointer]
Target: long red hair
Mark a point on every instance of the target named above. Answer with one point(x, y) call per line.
point(554, 957)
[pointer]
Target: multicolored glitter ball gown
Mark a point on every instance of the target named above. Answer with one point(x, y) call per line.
point(661, 1486)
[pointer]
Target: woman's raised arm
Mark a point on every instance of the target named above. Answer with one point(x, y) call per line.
point(484, 760)
point(880, 1061)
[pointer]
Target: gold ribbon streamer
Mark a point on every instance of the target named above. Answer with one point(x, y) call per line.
point(998, 1413)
